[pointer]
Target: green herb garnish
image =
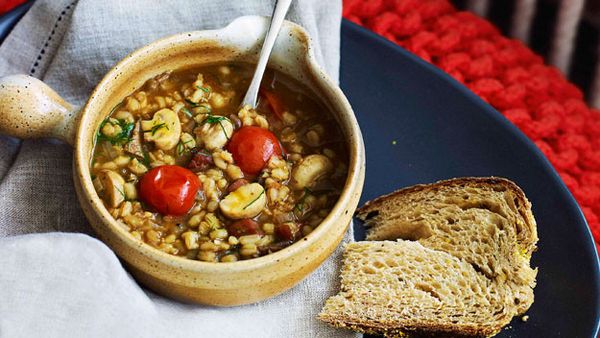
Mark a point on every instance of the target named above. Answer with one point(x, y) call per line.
point(181, 147)
point(122, 193)
point(256, 199)
point(192, 103)
point(204, 89)
point(300, 205)
point(157, 127)
point(212, 119)
point(199, 105)
point(224, 132)
point(146, 159)
point(124, 136)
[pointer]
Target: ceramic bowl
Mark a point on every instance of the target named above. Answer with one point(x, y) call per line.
point(222, 284)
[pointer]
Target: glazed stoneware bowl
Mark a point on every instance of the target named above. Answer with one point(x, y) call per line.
point(29, 109)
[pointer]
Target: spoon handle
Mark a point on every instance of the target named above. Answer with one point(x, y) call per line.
point(281, 8)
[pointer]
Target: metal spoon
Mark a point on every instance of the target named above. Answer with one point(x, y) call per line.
point(281, 8)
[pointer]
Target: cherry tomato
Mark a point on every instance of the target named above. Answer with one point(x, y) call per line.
point(252, 147)
point(274, 102)
point(244, 227)
point(169, 189)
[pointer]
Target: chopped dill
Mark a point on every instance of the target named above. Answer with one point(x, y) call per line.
point(254, 200)
point(157, 127)
point(124, 136)
point(181, 149)
point(212, 119)
point(122, 193)
point(192, 103)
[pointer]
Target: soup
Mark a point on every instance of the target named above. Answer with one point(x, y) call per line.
point(184, 169)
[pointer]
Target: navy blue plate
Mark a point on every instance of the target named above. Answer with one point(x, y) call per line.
point(421, 126)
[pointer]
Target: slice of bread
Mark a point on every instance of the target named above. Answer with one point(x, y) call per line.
point(483, 223)
point(400, 287)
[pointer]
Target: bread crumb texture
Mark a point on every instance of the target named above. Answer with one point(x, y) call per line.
point(450, 258)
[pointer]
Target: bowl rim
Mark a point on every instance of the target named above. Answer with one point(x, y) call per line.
point(356, 162)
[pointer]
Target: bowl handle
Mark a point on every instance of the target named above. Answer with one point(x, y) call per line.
point(31, 109)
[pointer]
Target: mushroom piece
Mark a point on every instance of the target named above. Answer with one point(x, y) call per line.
point(164, 129)
point(214, 132)
point(246, 201)
point(134, 146)
point(309, 170)
point(113, 184)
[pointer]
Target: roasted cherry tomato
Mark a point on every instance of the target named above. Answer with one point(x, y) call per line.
point(274, 102)
point(244, 227)
point(169, 189)
point(252, 147)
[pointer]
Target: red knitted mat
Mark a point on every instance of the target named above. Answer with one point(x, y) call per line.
point(508, 75)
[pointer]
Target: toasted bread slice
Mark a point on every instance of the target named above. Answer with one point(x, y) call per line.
point(484, 222)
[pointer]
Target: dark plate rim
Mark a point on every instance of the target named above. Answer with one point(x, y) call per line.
point(589, 245)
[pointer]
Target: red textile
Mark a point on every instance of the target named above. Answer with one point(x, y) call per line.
point(505, 73)
point(7, 5)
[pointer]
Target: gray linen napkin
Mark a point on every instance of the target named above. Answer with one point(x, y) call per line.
point(64, 284)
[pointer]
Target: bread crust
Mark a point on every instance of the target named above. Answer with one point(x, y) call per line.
point(527, 242)
point(524, 204)
point(431, 330)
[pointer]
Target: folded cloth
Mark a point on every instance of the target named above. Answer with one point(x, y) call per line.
point(63, 284)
